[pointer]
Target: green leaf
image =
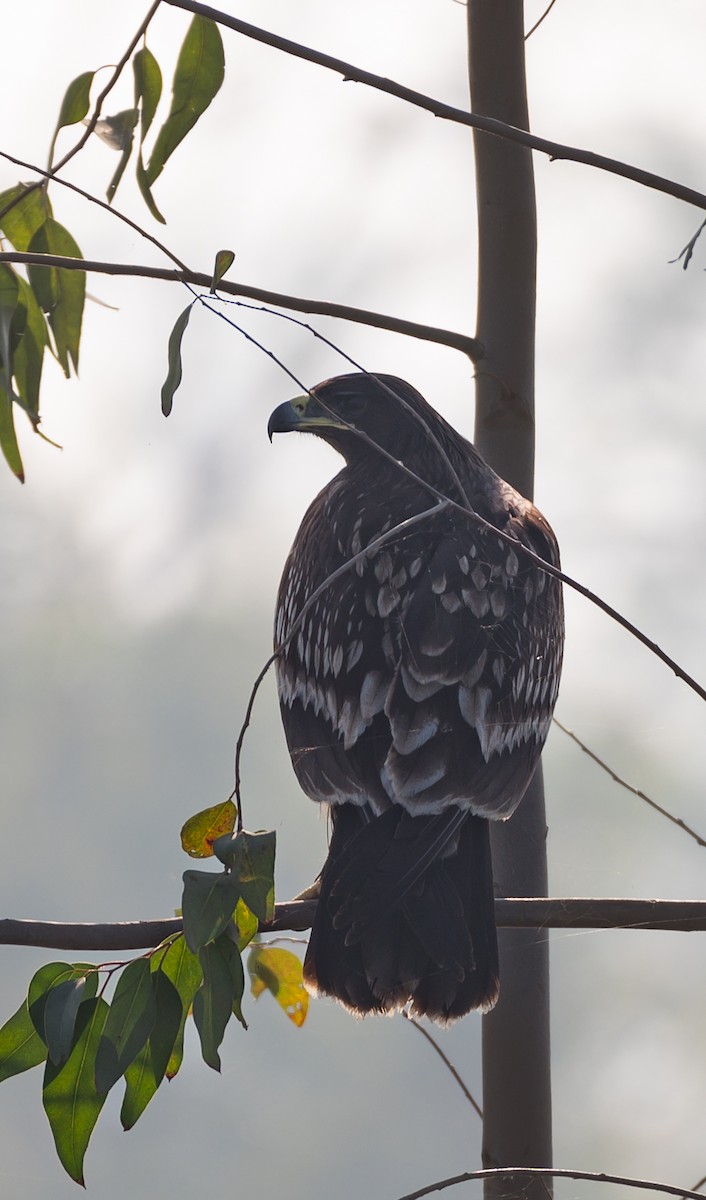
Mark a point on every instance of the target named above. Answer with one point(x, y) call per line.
point(9, 293)
point(200, 831)
point(74, 106)
point(183, 969)
point(29, 351)
point(60, 1012)
point(173, 379)
point(71, 1101)
point(20, 1045)
point(218, 997)
point(197, 78)
point(148, 88)
point(129, 1024)
point(224, 260)
point(208, 905)
point(251, 857)
point(8, 436)
point(280, 972)
point(60, 293)
point(23, 220)
point(50, 976)
point(147, 1071)
point(145, 191)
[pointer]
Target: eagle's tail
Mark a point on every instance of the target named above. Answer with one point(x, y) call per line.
point(406, 914)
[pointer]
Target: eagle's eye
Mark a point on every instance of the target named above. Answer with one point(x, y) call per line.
point(353, 405)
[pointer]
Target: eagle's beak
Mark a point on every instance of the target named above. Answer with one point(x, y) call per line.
point(302, 413)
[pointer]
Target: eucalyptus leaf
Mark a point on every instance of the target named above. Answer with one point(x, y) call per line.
point(198, 76)
point(23, 220)
point(173, 379)
point(60, 292)
point(131, 1020)
point(70, 1099)
point(21, 1047)
point(183, 969)
point(208, 905)
point(60, 1012)
point(200, 831)
point(148, 1069)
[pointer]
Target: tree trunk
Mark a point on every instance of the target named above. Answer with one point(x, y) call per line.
point(516, 1059)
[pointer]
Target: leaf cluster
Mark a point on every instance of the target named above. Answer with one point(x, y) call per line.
point(88, 1043)
point(45, 311)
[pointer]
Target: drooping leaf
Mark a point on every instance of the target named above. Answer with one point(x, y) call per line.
point(50, 976)
point(251, 857)
point(147, 1071)
point(148, 88)
point(23, 220)
point(74, 106)
point(29, 351)
point(60, 1013)
point(8, 436)
point(183, 969)
point(173, 379)
point(197, 78)
point(71, 1101)
point(208, 905)
point(218, 997)
point(129, 1024)
point(200, 831)
point(9, 292)
point(280, 972)
point(224, 260)
point(60, 292)
point(20, 1045)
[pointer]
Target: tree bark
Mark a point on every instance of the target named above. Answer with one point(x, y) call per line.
point(516, 1048)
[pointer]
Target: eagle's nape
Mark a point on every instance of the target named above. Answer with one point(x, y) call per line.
point(416, 692)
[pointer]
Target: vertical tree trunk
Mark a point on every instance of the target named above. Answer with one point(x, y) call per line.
point(516, 1061)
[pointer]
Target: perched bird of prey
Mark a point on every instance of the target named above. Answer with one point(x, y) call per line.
point(418, 666)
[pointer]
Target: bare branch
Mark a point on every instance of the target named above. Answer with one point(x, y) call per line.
point(629, 786)
point(433, 1042)
point(553, 1173)
point(555, 150)
point(94, 200)
point(294, 916)
point(359, 316)
point(544, 15)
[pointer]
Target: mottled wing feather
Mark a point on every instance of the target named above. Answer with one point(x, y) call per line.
point(425, 674)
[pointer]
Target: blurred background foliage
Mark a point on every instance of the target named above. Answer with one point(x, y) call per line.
point(140, 565)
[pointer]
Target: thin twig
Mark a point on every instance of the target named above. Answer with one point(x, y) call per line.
point(688, 251)
point(555, 150)
point(537, 24)
point(553, 1173)
point(629, 786)
point(433, 1042)
point(94, 200)
point(93, 121)
point(359, 316)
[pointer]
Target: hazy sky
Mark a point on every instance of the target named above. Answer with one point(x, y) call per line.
point(141, 561)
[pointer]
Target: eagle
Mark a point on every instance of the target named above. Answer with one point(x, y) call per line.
point(418, 654)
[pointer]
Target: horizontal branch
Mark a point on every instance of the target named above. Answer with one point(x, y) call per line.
point(555, 150)
point(297, 915)
point(322, 308)
point(553, 1173)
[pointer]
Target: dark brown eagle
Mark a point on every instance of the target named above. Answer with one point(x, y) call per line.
point(418, 666)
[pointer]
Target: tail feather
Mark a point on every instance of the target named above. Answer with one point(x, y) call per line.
point(406, 914)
